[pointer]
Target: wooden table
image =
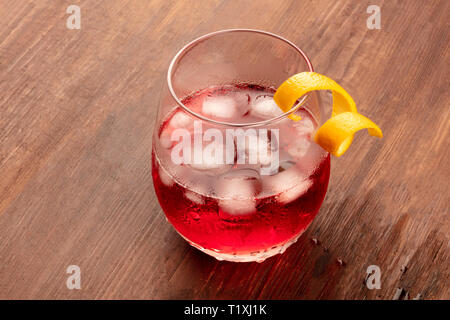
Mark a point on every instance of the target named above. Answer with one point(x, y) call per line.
point(76, 120)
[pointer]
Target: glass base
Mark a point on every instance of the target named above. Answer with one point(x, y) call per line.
point(255, 256)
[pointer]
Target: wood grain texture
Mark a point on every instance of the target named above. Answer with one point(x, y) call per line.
point(76, 120)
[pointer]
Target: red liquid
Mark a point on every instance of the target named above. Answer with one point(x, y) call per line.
point(206, 224)
point(272, 224)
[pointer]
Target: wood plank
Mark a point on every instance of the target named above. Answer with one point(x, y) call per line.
point(76, 121)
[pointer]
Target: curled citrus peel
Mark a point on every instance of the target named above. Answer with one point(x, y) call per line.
point(336, 134)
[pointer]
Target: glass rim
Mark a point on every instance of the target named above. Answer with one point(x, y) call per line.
point(180, 53)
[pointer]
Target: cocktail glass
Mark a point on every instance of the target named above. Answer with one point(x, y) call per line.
point(235, 176)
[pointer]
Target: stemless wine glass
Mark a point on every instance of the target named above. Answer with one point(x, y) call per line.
point(236, 177)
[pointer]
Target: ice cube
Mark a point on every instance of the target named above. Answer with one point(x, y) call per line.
point(242, 100)
point(303, 149)
point(309, 162)
point(165, 178)
point(264, 106)
point(237, 207)
point(194, 197)
point(213, 157)
point(165, 138)
point(306, 125)
point(262, 149)
point(257, 148)
point(219, 107)
point(238, 184)
point(295, 192)
point(287, 185)
point(237, 190)
point(180, 120)
point(299, 147)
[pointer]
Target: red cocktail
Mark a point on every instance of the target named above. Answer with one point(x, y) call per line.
point(235, 176)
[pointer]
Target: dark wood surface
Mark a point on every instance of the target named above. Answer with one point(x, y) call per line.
point(76, 120)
